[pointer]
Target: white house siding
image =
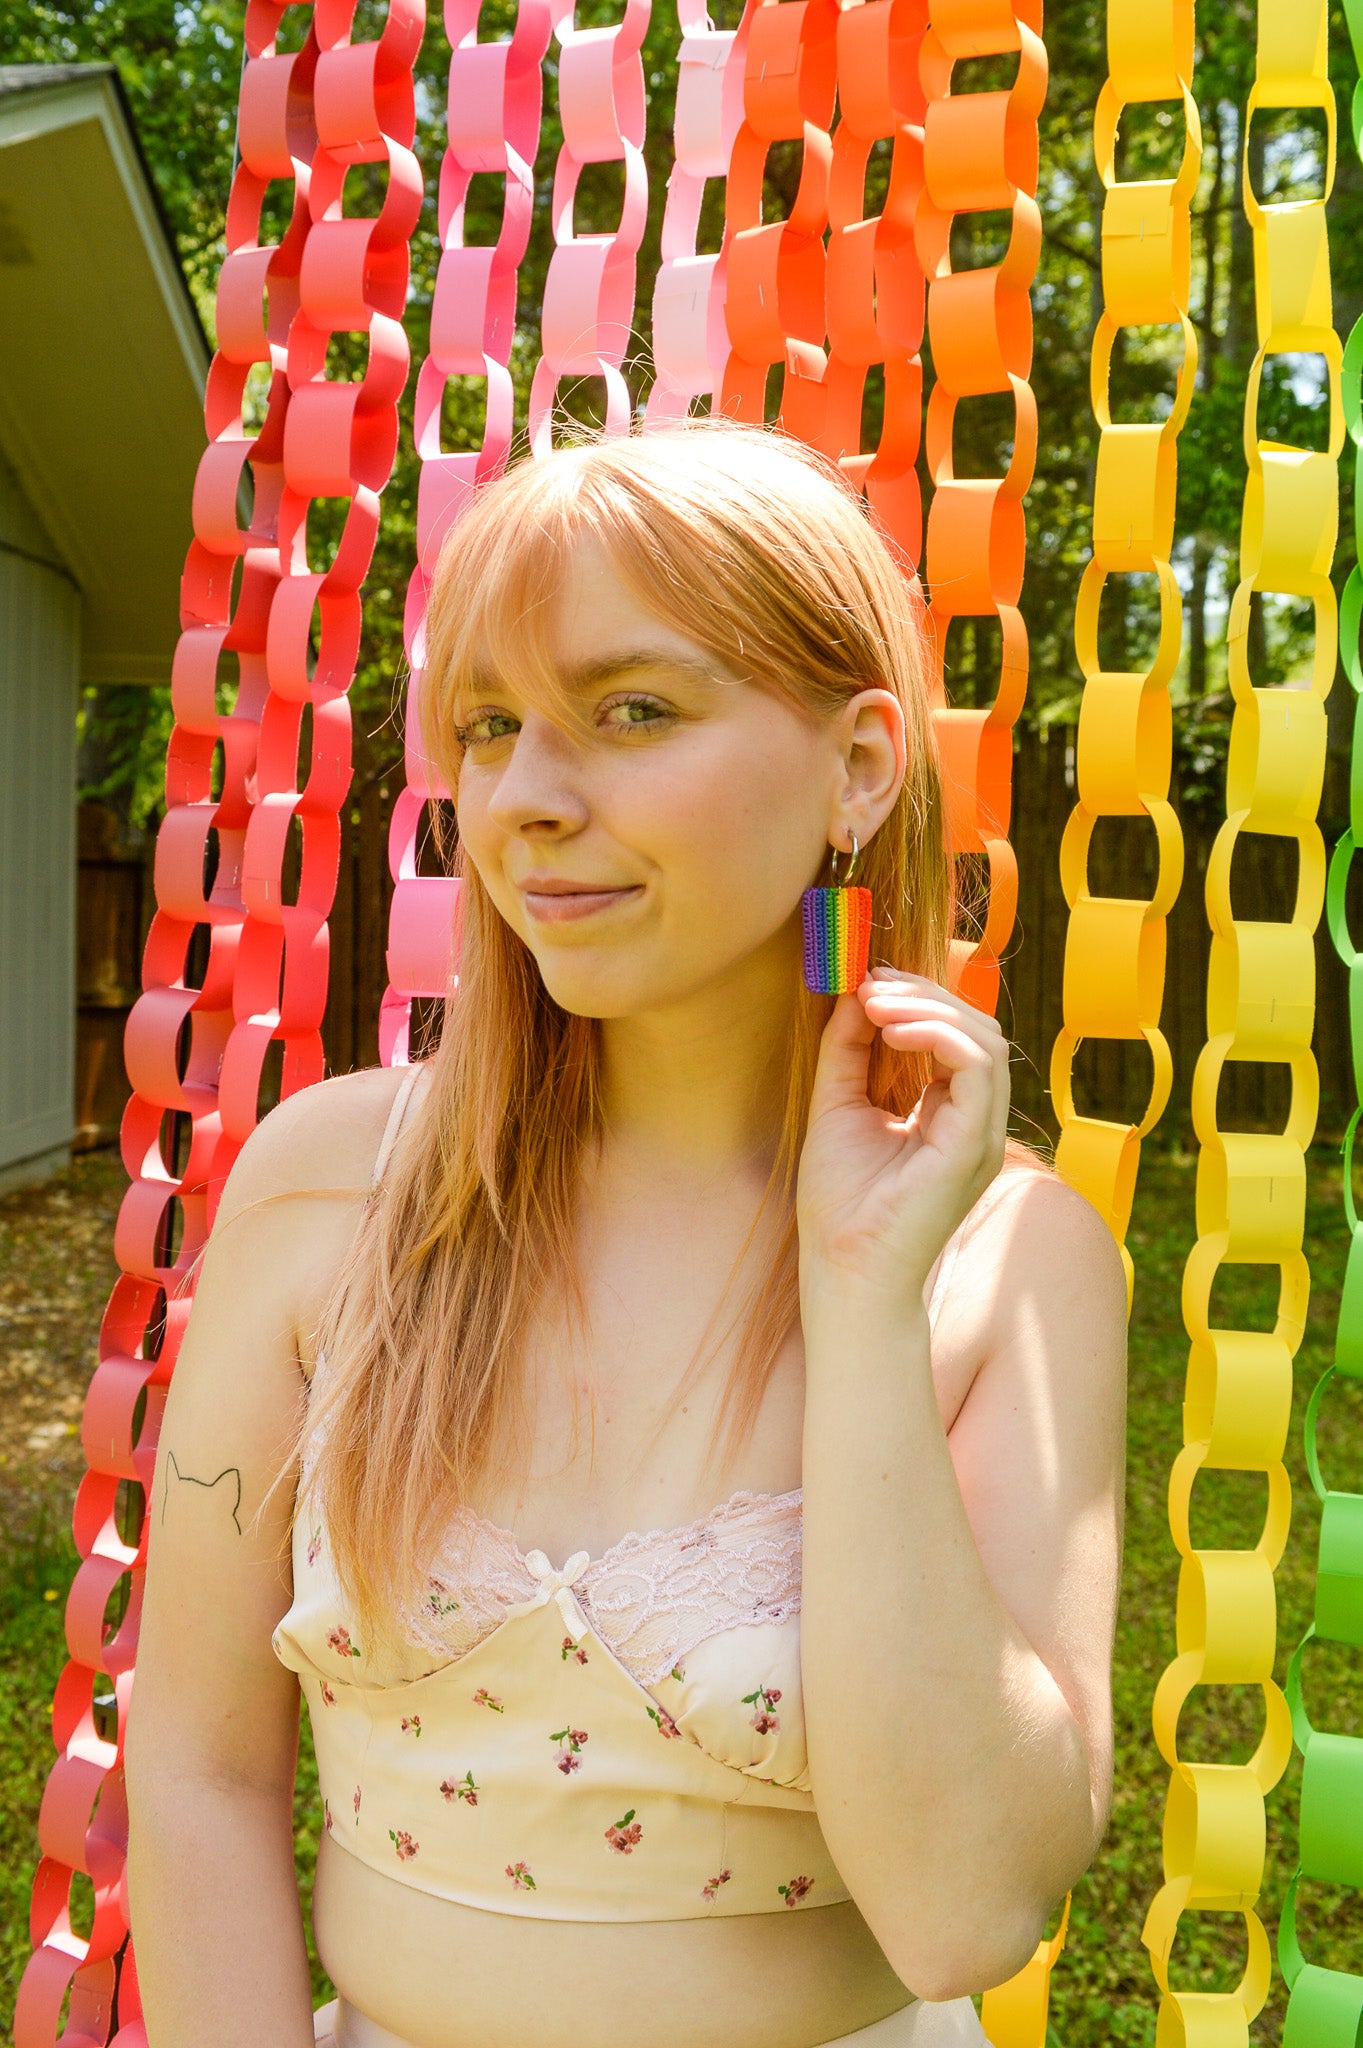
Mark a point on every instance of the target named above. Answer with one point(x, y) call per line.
point(39, 670)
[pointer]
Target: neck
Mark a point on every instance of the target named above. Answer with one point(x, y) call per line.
point(697, 1089)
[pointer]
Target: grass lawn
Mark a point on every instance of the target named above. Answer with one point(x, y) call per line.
point(56, 1251)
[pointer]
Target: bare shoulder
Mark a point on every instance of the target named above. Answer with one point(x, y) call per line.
point(1040, 1239)
point(1034, 1254)
point(293, 1198)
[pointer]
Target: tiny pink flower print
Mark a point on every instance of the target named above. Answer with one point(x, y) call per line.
point(404, 1844)
point(519, 1873)
point(328, 1696)
point(484, 1698)
point(762, 1717)
point(793, 1892)
point(623, 1834)
point(712, 1884)
point(438, 1600)
point(339, 1641)
point(326, 1811)
point(678, 1672)
point(569, 1761)
point(663, 1721)
point(568, 1648)
point(414, 1724)
point(314, 1545)
point(460, 1788)
point(357, 1806)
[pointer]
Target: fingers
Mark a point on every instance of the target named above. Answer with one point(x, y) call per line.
point(888, 1002)
point(968, 1047)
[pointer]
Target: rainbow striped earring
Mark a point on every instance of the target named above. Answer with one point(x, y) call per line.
point(837, 924)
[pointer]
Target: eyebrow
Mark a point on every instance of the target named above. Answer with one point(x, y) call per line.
point(587, 675)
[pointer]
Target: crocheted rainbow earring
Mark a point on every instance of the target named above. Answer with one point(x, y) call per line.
point(837, 924)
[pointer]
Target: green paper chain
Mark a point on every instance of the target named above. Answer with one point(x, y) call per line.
point(1325, 2007)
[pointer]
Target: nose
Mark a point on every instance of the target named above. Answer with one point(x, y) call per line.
point(539, 785)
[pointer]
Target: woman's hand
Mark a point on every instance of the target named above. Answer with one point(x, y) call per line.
point(878, 1197)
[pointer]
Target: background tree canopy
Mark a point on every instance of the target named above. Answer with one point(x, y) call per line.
point(181, 63)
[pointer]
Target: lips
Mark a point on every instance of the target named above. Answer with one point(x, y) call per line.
point(552, 901)
point(545, 885)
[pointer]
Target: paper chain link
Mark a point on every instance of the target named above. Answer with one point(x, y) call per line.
point(1326, 2006)
point(1251, 1186)
point(494, 109)
point(1115, 946)
point(875, 285)
point(827, 317)
point(980, 153)
point(196, 1050)
point(690, 341)
point(775, 285)
point(589, 290)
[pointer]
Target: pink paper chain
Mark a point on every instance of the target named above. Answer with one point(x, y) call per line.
point(588, 314)
point(690, 342)
point(493, 125)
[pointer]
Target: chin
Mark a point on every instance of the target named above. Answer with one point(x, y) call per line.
point(587, 998)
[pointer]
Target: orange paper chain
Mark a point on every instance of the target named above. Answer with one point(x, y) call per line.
point(980, 155)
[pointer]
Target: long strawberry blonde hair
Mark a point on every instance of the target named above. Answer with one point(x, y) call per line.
point(759, 551)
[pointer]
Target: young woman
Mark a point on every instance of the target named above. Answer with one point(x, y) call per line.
point(600, 1759)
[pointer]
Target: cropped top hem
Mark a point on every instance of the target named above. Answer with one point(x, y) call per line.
point(532, 1906)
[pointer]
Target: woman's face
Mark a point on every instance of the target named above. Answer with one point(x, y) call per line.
point(686, 811)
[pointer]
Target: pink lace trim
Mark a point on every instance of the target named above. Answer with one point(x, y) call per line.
point(653, 1597)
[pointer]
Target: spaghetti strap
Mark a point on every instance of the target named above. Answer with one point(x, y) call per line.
point(394, 1124)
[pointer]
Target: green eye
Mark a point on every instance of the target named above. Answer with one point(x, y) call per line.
point(652, 713)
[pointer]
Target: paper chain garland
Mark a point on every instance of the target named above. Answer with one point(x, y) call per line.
point(690, 342)
point(1325, 2007)
point(1251, 1187)
point(198, 1035)
point(824, 317)
point(980, 154)
point(494, 111)
point(1114, 946)
point(589, 292)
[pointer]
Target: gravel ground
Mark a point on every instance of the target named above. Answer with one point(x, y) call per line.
point(57, 1268)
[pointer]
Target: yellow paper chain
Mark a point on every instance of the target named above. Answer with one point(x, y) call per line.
point(1115, 946)
point(1251, 1186)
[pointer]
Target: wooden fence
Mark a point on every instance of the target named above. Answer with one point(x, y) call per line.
point(1112, 1079)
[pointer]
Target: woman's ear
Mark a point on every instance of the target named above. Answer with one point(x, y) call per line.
point(873, 745)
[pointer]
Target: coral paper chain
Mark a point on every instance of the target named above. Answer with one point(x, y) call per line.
point(774, 275)
point(197, 1037)
point(1251, 1186)
point(980, 153)
point(340, 438)
point(1114, 946)
point(1326, 2006)
point(175, 1038)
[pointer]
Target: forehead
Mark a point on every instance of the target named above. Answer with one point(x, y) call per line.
point(587, 625)
point(596, 615)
